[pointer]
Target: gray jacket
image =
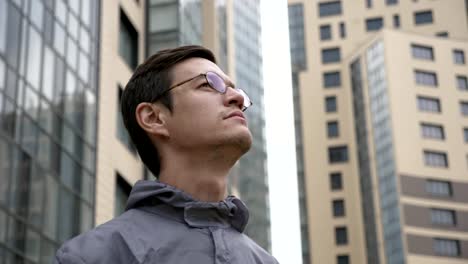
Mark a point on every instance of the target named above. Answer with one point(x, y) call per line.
point(163, 225)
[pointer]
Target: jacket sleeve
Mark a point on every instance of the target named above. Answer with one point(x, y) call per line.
point(67, 258)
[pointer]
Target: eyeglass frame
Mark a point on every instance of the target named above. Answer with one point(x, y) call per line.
point(205, 75)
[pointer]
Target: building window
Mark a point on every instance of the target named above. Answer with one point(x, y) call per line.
point(373, 24)
point(296, 37)
point(465, 134)
point(368, 3)
point(425, 78)
point(332, 129)
point(128, 41)
point(458, 57)
point(439, 188)
point(391, 2)
point(122, 133)
point(432, 131)
point(396, 21)
point(122, 192)
point(342, 30)
point(338, 154)
point(464, 108)
point(462, 83)
point(330, 104)
point(331, 79)
point(329, 8)
point(422, 52)
point(336, 182)
point(443, 217)
point(443, 34)
point(341, 235)
point(325, 32)
point(338, 208)
point(342, 259)
point(446, 247)
point(427, 104)
point(331, 55)
point(424, 17)
point(435, 159)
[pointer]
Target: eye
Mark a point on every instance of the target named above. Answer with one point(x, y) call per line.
point(205, 84)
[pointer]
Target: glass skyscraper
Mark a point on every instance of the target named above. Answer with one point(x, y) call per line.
point(48, 113)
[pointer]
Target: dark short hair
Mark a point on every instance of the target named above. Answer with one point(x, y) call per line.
point(150, 80)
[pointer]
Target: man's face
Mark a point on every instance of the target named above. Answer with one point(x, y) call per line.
point(203, 117)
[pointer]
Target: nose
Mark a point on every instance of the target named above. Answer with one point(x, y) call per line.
point(233, 97)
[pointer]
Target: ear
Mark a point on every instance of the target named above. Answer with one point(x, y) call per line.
point(152, 119)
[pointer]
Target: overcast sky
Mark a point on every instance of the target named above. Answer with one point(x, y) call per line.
point(281, 150)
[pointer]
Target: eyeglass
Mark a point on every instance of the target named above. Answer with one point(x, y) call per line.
point(217, 83)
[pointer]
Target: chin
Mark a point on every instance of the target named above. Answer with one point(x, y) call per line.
point(243, 141)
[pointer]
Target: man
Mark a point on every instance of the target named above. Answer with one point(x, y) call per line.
point(185, 117)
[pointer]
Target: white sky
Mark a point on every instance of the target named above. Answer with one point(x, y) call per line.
point(281, 150)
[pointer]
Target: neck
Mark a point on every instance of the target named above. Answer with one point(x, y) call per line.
point(202, 175)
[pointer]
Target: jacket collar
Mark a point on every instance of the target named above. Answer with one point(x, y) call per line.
point(173, 202)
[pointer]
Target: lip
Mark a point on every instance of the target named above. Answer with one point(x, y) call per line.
point(236, 114)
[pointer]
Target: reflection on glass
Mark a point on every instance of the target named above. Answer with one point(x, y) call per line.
point(13, 36)
point(86, 218)
point(59, 39)
point(5, 170)
point(48, 74)
point(86, 12)
point(84, 39)
point(37, 13)
point(72, 53)
point(83, 70)
point(73, 25)
point(28, 137)
point(32, 246)
point(31, 103)
point(61, 11)
point(3, 25)
point(51, 207)
point(2, 75)
point(69, 215)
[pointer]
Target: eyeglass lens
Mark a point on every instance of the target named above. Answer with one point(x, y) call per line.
point(217, 83)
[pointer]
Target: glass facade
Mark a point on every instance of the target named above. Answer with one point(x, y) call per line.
point(48, 114)
point(384, 153)
point(172, 23)
point(252, 171)
point(365, 177)
point(296, 37)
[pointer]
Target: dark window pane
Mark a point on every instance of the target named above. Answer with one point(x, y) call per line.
point(51, 209)
point(439, 188)
point(338, 154)
point(424, 17)
point(296, 36)
point(422, 52)
point(458, 57)
point(443, 34)
point(122, 191)
point(462, 83)
point(332, 129)
point(443, 217)
point(465, 134)
point(331, 79)
point(391, 2)
point(368, 3)
point(342, 259)
point(128, 41)
point(341, 236)
point(396, 21)
point(425, 78)
point(464, 108)
point(428, 104)
point(435, 159)
point(342, 30)
point(446, 247)
point(330, 8)
point(336, 182)
point(432, 131)
point(325, 32)
point(122, 133)
point(331, 55)
point(68, 224)
point(330, 104)
point(373, 24)
point(338, 208)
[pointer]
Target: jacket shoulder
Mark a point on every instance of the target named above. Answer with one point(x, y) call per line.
point(106, 243)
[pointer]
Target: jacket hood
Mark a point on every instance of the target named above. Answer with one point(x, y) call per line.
point(230, 211)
